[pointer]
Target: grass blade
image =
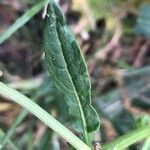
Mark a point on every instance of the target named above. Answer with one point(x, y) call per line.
point(128, 139)
point(42, 115)
point(10, 132)
point(2, 135)
point(22, 20)
point(22, 114)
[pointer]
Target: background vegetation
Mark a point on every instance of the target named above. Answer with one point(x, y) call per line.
point(114, 38)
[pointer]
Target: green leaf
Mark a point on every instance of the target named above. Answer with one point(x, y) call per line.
point(128, 139)
point(43, 116)
point(67, 67)
point(22, 20)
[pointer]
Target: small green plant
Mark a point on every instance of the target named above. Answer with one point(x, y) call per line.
point(68, 70)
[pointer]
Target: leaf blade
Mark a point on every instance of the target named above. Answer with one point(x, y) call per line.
point(67, 68)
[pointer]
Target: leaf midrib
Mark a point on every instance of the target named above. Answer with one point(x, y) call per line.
point(75, 92)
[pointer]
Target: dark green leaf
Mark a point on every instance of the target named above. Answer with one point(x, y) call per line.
point(67, 68)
